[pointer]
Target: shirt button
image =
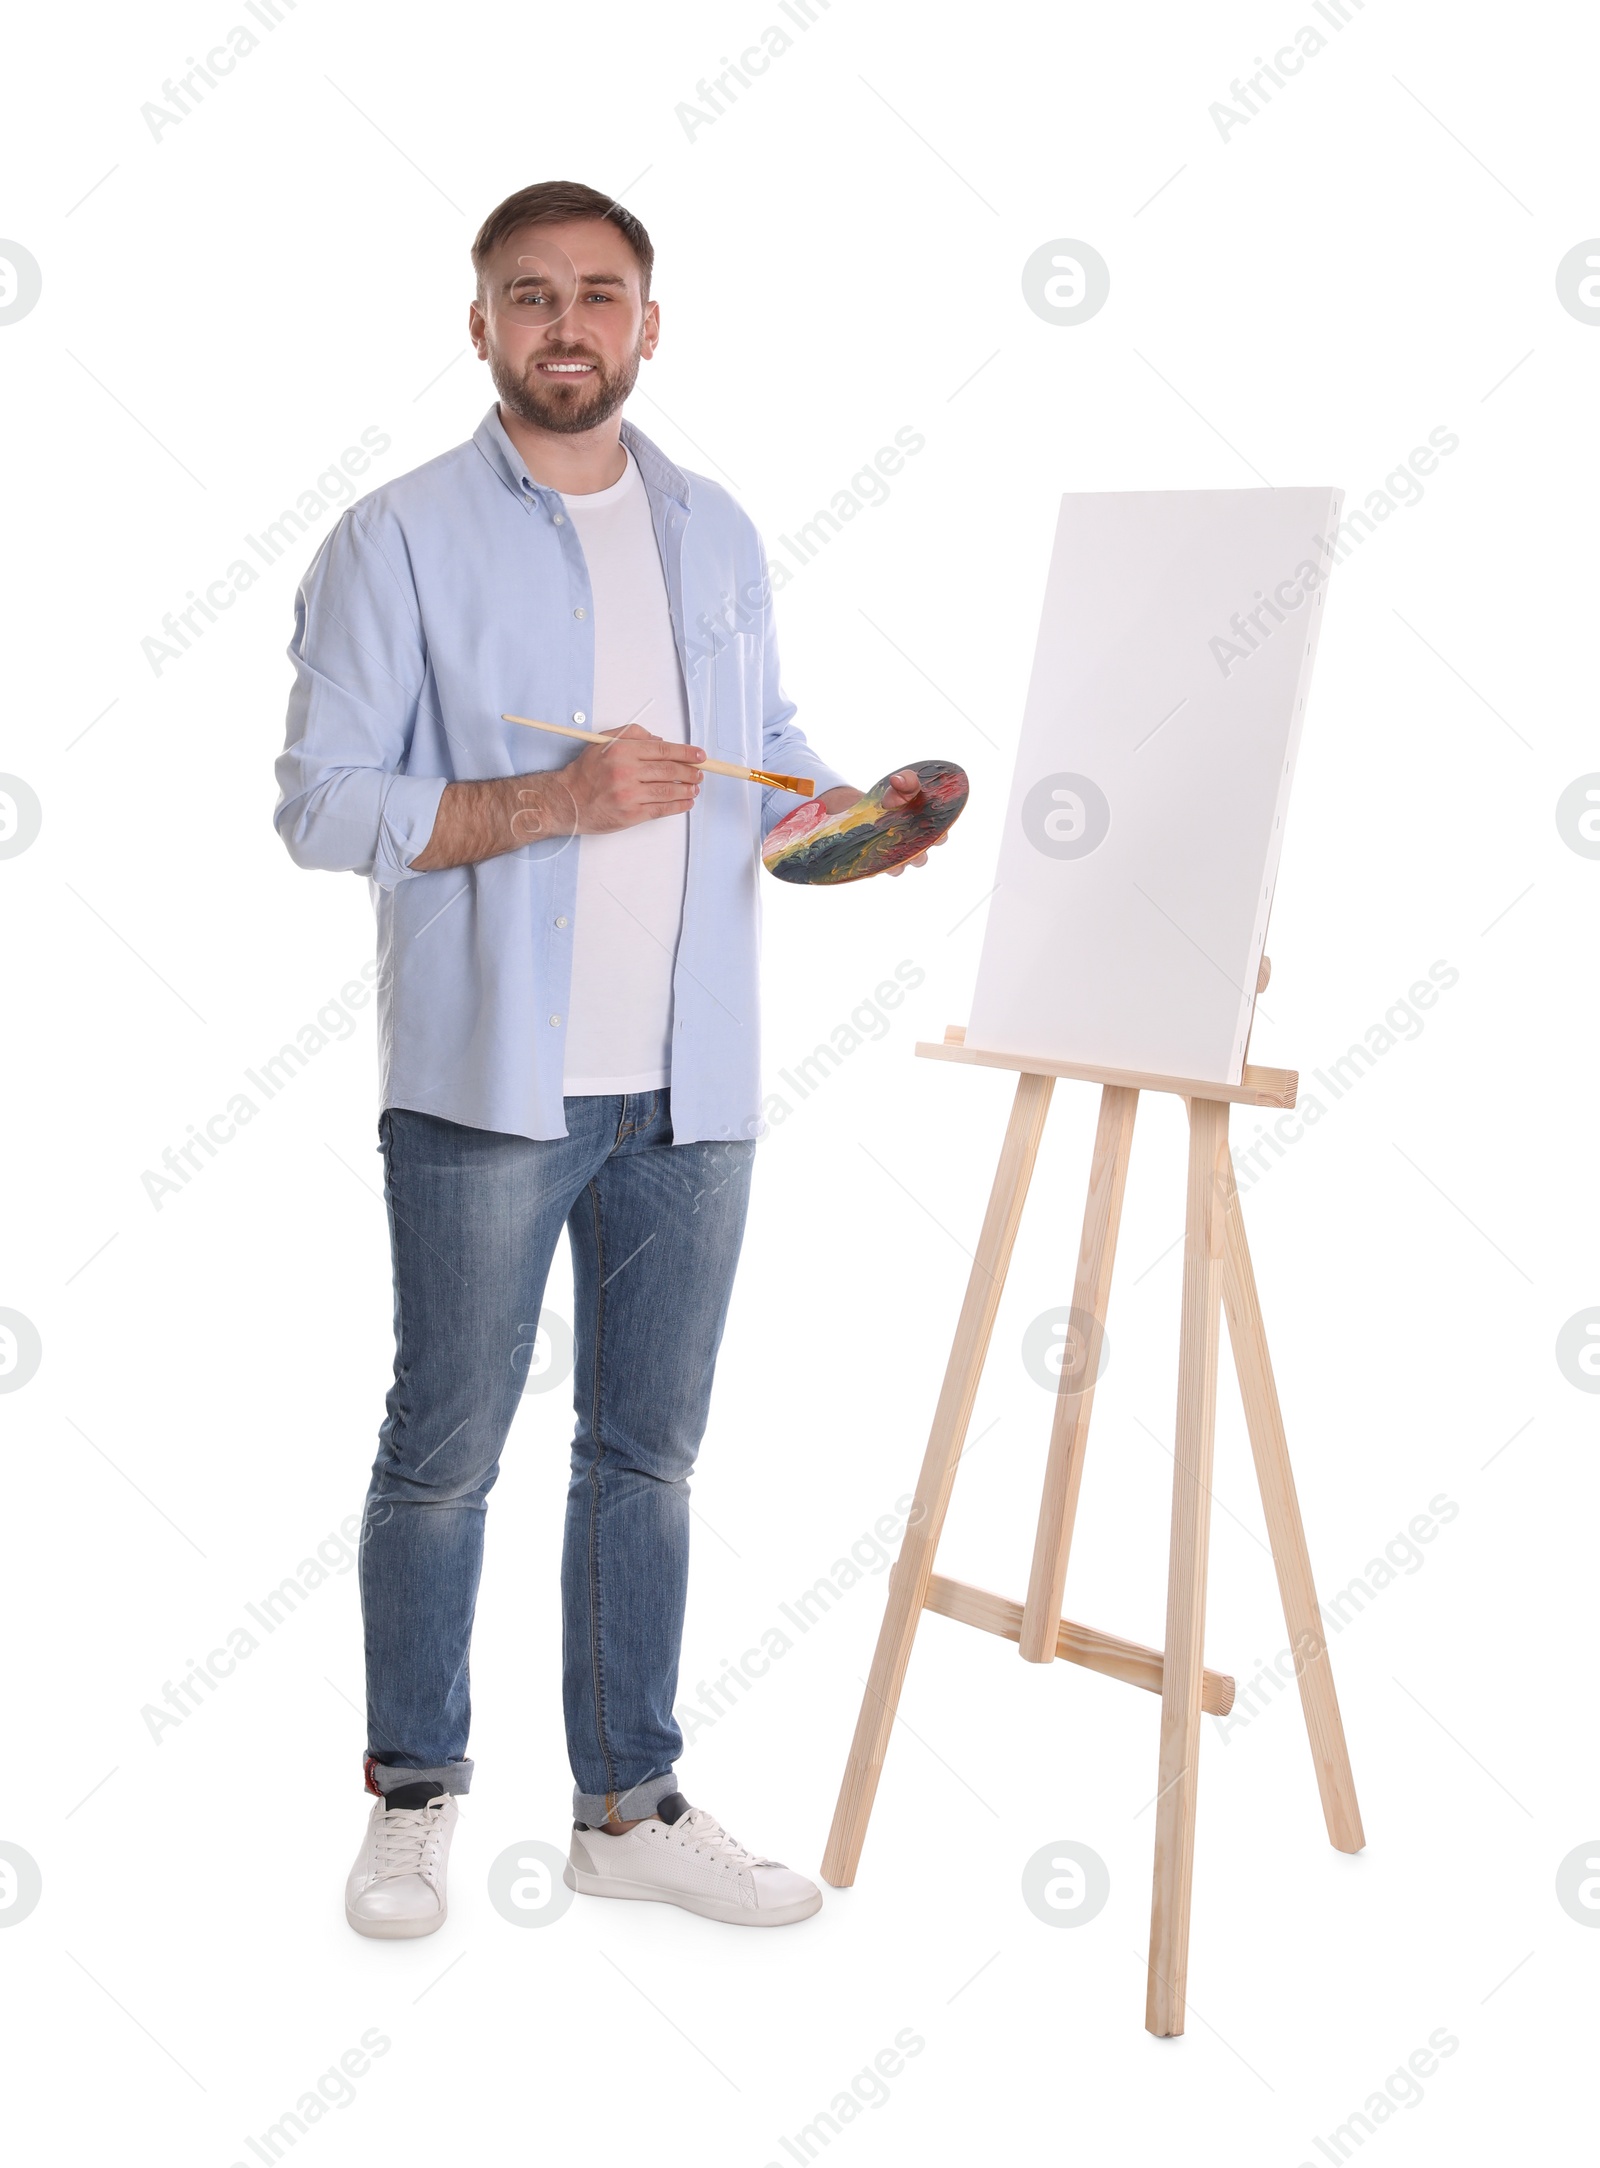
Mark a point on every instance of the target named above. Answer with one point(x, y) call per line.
point(561, 922)
point(555, 1019)
point(580, 613)
point(578, 716)
point(561, 519)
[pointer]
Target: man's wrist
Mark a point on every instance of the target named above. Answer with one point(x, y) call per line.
point(539, 805)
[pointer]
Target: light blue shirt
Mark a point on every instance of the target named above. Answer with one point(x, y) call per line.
point(457, 593)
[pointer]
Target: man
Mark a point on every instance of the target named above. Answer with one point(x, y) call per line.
point(567, 1026)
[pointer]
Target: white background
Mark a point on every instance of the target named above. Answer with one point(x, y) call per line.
point(1371, 256)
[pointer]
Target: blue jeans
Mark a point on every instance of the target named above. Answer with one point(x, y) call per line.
point(474, 1216)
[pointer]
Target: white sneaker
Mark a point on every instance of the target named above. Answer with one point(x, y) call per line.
point(396, 1887)
point(681, 1855)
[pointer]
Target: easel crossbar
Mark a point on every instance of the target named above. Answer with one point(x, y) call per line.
point(1129, 1661)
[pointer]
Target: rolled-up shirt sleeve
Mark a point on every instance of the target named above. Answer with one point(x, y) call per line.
point(785, 748)
point(346, 803)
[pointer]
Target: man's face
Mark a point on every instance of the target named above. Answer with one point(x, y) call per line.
point(562, 323)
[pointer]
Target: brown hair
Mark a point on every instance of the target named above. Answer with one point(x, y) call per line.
point(549, 203)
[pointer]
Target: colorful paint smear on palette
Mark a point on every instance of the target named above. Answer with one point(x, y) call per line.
point(866, 838)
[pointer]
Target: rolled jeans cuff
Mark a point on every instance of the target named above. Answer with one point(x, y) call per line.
point(454, 1776)
point(593, 1808)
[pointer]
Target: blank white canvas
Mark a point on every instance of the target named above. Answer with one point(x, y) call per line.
point(1142, 834)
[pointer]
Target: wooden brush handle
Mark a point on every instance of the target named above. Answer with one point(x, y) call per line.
point(803, 786)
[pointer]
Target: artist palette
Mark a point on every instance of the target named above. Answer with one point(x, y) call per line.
point(812, 848)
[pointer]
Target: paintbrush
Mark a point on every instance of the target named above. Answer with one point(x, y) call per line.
point(804, 786)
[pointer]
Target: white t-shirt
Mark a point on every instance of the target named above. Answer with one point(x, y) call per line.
point(630, 882)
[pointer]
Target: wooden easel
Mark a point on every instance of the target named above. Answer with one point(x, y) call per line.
point(1216, 1261)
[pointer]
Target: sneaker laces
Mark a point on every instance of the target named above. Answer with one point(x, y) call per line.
point(705, 1833)
point(406, 1838)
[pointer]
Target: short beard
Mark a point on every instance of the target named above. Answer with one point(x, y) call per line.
point(558, 411)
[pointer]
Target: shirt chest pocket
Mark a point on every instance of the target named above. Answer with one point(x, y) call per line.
point(724, 679)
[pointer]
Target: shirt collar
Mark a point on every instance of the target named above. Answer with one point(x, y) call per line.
point(660, 475)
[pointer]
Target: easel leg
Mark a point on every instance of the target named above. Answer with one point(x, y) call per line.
point(908, 1586)
point(1069, 1431)
point(1199, 1333)
point(1301, 1613)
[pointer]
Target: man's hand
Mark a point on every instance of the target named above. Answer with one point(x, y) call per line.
point(905, 788)
point(635, 776)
